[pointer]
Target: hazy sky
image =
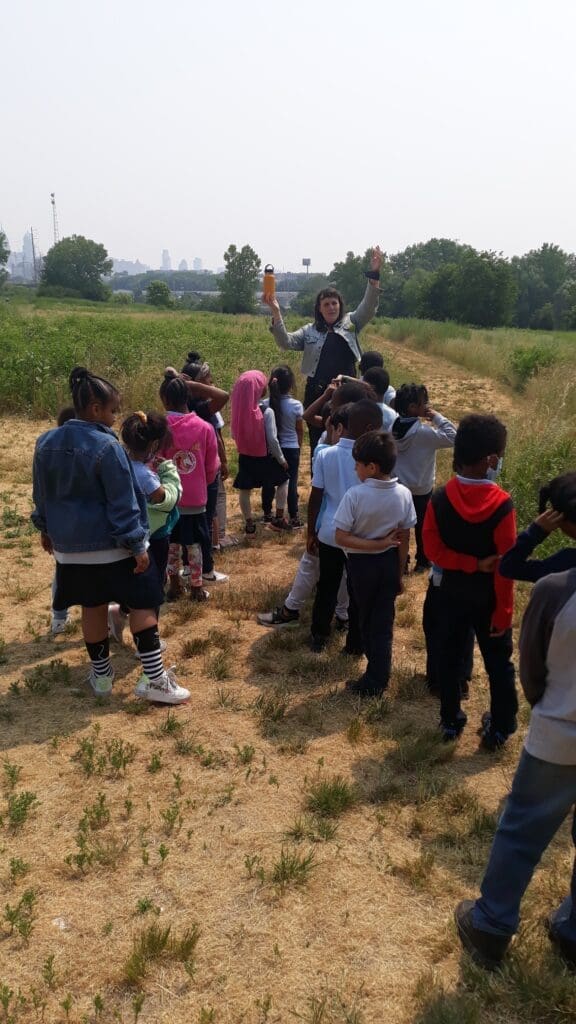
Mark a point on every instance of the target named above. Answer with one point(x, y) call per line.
point(305, 128)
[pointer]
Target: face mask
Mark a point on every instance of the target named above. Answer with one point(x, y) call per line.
point(493, 474)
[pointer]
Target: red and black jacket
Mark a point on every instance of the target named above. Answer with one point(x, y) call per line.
point(465, 522)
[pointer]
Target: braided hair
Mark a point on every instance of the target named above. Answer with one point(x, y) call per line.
point(174, 391)
point(86, 388)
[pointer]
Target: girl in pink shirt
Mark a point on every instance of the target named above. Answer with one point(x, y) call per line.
point(194, 451)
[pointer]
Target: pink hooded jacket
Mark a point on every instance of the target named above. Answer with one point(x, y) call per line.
point(247, 417)
point(195, 453)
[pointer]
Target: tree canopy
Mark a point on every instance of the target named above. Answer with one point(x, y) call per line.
point(159, 294)
point(241, 279)
point(77, 264)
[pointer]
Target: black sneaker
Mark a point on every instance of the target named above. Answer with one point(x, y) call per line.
point(452, 730)
point(360, 688)
point(282, 616)
point(279, 525)
point(421, 567)
point(486, 949)
point(318, 644)
point(564, 947)
point(266, 517)
point(492, 739)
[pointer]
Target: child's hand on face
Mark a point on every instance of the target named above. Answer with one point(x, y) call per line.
point(428, 412)
point(549, 520)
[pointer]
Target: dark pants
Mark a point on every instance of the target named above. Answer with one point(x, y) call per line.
point(158, 552)
point(375, 584)
point(420, 506)
point(459, 613)
point(431, 621)
point(543, 795)
point(292, 456)
point(194, 532)
point(332, 565)
point(211, 500)
point(312, 391)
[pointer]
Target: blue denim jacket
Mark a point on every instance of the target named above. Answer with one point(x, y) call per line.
point(85, 495)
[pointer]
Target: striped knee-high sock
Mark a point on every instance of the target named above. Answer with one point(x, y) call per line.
point(99, 654)
point(148, 646)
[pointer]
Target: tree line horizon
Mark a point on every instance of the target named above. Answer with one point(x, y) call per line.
point(440, 279)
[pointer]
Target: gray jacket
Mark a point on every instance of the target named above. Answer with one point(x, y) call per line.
point(547, 658)
point(309, 340)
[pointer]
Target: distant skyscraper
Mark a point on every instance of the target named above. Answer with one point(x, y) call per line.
point(197, 264)
point(27, 248)
point(166, 261)
point(183, 265)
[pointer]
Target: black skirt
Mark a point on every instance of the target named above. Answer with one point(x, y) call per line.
point(257, 471)
point(94, 585)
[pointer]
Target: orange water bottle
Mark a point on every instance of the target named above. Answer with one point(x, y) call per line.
point(269, 283)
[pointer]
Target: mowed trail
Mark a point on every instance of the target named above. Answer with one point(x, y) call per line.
point(360, 932)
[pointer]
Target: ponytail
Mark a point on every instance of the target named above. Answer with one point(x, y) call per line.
point(141, 430)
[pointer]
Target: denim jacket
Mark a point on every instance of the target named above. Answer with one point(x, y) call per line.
point(85, 495)
point(310, 340)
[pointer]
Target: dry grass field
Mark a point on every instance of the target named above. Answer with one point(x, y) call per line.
point(274, 851)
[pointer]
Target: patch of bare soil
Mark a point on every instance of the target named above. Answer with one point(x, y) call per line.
point(205, 821)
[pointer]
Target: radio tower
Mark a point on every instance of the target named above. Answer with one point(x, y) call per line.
point(54, 217)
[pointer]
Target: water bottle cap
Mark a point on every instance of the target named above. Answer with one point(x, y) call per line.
point(268, 269)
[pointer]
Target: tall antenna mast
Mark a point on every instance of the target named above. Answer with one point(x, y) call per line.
point(54, 217)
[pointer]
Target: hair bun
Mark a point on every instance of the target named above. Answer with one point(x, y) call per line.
point(170, 373)
point(194, 357)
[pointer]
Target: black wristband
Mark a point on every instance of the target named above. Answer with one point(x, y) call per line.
point(372, 275)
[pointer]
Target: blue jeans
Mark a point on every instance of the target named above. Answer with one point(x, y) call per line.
point(542, 796)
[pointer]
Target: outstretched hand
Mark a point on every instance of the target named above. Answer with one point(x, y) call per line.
point(376, 258)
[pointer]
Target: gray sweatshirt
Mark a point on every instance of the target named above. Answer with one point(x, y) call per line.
point(309, 340)
point(548, 668)
point(417, 447)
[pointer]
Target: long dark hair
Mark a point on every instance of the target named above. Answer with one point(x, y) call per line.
point(327, 293)
point(280, 383)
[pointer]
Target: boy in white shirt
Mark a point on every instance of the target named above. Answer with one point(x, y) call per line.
point(372, 524)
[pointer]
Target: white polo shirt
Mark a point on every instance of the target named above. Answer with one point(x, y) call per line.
point(372, 509)
point(334, 473)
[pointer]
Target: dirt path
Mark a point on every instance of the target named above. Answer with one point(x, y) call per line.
point(266, 721)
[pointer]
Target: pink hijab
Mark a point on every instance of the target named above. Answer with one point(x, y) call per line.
point(247, 416)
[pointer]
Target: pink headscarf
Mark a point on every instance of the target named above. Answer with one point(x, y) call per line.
point(247, 416)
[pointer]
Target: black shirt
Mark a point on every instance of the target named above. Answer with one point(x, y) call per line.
point(336, 357)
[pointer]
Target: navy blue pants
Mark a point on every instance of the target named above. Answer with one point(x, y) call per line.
point(375, 583)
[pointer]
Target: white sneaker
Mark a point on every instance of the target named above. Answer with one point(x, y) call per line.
point(101, 685)
point(58, 626)
point(117, 620)
point(162, 691)
point(163, 647)
point(215, 577)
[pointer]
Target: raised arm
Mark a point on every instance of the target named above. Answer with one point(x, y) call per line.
point(363, 314)
point(216, 397)
point(293, 340)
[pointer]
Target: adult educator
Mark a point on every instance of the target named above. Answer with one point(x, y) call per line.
point(330, 344)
